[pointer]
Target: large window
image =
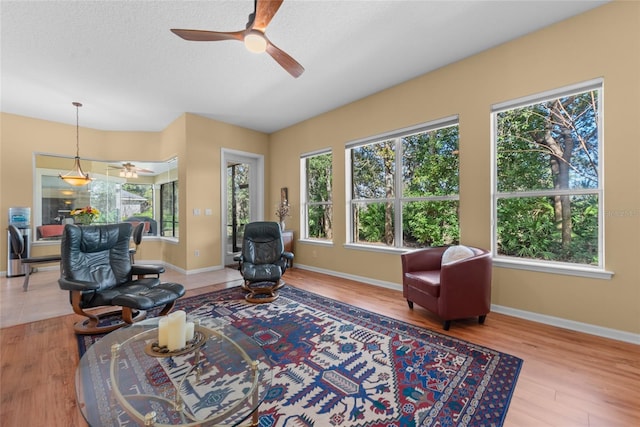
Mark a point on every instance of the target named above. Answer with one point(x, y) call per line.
point(404, 187)
point(169, 212)
point(116, 197)
point(548, 177)
point(317, 195)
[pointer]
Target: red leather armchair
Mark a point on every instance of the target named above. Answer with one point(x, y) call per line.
point(455, 290)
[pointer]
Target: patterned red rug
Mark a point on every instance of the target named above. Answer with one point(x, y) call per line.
point(338, 365)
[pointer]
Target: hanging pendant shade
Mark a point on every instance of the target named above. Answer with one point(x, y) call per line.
point(76, 176)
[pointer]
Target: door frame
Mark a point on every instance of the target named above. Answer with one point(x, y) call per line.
point(256, 188)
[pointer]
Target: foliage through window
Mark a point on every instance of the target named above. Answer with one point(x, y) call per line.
point(116, 201)
point(405, 188)
point(548, 187)
point(238, 202)
point(169, 211)
point(117, 198)
point(317, 197)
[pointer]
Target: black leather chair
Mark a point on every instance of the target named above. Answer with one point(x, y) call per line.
point(147, 269)
point(263, 261)
point(96, 269)
point(17, 247)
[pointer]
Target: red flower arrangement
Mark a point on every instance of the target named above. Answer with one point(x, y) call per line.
point(85, 215)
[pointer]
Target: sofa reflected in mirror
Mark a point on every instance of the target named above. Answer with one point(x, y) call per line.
point(49, 232)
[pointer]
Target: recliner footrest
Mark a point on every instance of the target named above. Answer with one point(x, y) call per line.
point(145, 299)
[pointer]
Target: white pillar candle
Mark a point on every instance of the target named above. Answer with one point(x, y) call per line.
point(163, 331)
point(177, 321)
point(189, 331)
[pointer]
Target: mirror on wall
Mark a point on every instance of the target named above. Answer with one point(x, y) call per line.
point(132, 191)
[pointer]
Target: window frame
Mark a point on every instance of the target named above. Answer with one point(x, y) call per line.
point(36, 215)
point(398, 199)
point(305, 204)
point(557, 267)
point(174, 211)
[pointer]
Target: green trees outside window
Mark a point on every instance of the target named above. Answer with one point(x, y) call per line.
point(318, 196)
point(548, 187)
point(404, 188)
point(169, 209)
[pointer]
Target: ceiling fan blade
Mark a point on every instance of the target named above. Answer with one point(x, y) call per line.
point(265, 10)
point(208, 36)
point(285, 60)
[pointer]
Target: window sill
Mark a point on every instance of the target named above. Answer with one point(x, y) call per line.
point(317, 242)
point(375, 248)
point(569, 270)
point(47, 242)
point(173, 240)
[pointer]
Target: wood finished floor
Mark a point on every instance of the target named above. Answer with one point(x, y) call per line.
point(568, 378)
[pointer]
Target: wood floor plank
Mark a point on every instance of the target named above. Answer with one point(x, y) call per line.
point(568, 378)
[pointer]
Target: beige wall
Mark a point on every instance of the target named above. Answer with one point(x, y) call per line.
point(194, 140)
point(602, 43)
point(206, 138)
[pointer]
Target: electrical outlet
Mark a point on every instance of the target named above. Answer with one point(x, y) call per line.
point(197, 252)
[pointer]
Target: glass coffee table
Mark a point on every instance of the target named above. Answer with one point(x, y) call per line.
point(220, 379)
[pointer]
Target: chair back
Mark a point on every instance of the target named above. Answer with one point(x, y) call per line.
point(96, 253)
point(138, 231)
point(262, 243)
point(17, 242)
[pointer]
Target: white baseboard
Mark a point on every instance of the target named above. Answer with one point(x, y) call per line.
point(572, 325)
point(186, 272)
point(522, 314)
point(527, 315)
point(381, 283)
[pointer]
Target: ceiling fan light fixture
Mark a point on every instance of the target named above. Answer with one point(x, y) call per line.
point(76, 176)
point(124, 173)
point(255, 42)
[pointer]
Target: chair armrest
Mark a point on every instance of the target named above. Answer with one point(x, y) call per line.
point(143, 269)
point(240, 259)
point(471, 276)
point(426, 259)
point(77, 285)
point(287, 255)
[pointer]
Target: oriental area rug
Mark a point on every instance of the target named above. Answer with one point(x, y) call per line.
point(336, 365)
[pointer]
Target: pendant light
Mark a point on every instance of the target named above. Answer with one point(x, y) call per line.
point(76, 176)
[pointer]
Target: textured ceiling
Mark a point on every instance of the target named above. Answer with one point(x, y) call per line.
point(131, 73)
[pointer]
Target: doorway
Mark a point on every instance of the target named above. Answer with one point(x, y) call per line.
point(243, 198)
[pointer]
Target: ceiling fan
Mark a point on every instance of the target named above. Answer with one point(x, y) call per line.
point(129, 170)
point(253, 36)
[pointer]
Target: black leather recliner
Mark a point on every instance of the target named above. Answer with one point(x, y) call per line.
point(263, 261)
point(96, 269)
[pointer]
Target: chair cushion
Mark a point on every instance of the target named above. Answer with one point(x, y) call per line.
point(456, 253)
point(425, 281)
point(261, 272)
point(137, 295)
